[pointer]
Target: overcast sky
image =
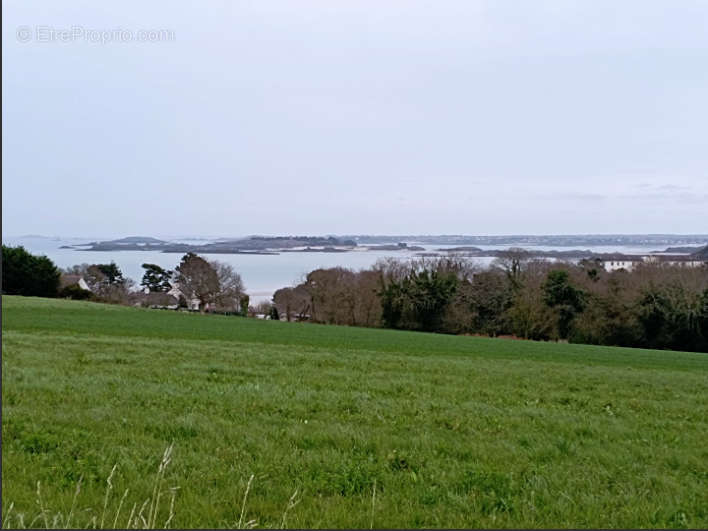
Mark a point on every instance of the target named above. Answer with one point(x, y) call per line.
point(352, 116)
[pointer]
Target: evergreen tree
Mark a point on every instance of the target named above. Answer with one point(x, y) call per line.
point(26, 274)
point(156, 279)
point(566, 299)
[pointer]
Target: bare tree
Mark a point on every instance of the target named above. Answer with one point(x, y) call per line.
point(106, 282)
point(369, 305)
point(336, 296)
point(512, 262)
point(293, 302)
point(78, 269)
point(93, 276)
point(284, 301)
point(231, 289)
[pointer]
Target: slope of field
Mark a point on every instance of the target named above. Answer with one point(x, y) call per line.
point(341, 427)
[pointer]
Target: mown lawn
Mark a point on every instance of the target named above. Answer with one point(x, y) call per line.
point(363, 427)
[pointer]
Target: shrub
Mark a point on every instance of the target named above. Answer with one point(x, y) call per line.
point(75, 292)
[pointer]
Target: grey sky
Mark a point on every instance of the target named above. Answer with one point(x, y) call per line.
point(274, 117)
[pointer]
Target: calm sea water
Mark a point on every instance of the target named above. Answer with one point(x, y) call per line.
point(262, 274)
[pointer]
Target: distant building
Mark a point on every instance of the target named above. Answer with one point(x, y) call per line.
point(687, 260)
point(621, 262)
point(628, 263)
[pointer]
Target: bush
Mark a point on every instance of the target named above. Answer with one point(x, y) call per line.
point(75, 292)
point(273, 314)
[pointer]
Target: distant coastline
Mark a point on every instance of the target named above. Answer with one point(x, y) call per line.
point(677, 245)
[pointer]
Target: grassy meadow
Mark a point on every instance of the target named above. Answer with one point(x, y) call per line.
point(299, 425)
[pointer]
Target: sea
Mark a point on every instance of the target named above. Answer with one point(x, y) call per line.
point(261, 274)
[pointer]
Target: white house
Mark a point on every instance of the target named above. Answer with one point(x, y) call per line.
point(615, 264)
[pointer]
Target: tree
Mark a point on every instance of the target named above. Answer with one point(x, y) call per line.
point(231, 289)
point(244, 305)
point(283, 301)
point(156, 279)
point(393, 301)
point(26, 274)
point(423, 294)
point(273, 313)
point(368, 304)
point(558, 293)
point(332, 294)
point(113, 274)
point(106, 281)
point(528, 316)
point(95, 278)
point(592, 267)
point(245, 308)
point(703, 315)
point(673, 317)
point(489, 295)
point(293, 302)
point(419, 301)
point(511, 262)
point(197, 279)
point(609, 316)
point(101, 276)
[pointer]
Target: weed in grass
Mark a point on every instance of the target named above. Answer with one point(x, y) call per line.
point(59, 519)
point(250, 523)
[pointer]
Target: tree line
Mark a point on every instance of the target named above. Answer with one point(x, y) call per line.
point(656, 306)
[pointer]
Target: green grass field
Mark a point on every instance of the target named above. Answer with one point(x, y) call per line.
point(340, 427)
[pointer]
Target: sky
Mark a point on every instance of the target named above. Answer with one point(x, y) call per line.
point(229, 118)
